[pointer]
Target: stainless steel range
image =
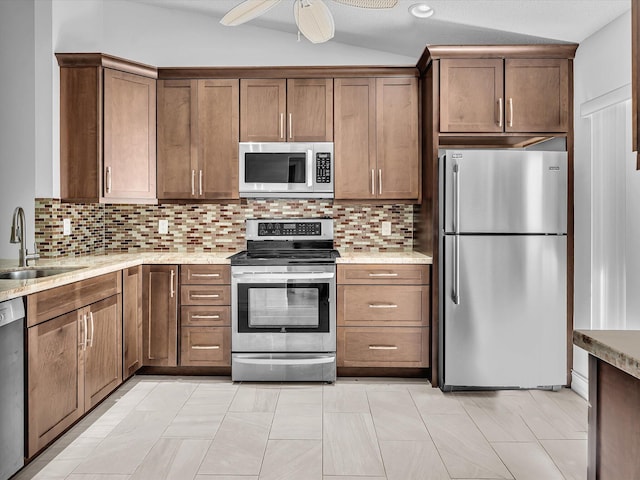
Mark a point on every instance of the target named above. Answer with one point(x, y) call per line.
point(283, 291)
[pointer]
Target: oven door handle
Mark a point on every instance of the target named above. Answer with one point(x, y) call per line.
point(286, 275)
point(285, 361)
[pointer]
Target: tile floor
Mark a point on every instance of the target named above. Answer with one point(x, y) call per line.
point(202, 428)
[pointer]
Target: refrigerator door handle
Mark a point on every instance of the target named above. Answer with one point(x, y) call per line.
point(455, 296)
point(456, 197)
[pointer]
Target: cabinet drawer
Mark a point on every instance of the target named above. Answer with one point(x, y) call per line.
point(57, 301)
point(382, 347)
point(205, 346)
point(384, 274)
point(205, 274)
point(398, 305)
point(205, 316)
point(205, 295)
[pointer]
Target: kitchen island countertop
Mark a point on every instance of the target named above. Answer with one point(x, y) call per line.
point(620, 348)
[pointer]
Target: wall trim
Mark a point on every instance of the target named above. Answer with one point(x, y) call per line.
point(580, 384)
point(619, 95)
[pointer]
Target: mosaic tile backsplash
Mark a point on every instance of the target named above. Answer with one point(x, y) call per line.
point(101, 228)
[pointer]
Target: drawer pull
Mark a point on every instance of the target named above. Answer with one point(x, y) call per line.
point(205, 347)
point(383, 274)
point(383, 305)
point(382, 347)
point(205, 316)
point(205, 274)
point(205, 295)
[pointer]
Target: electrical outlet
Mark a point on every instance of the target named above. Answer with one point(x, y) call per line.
point(66, 226)
point(386, 228)
point(163, 226)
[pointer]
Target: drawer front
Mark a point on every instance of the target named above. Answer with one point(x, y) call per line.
point(205, 316)
point(384, 274)
point(205, 274)
point(205, 346)
point(205, 295)
point(382, 347)
point(397, 305)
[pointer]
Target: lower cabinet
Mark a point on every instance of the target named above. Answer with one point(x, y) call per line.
point(383, 316)
point(160, 315)
point(74, 359)
point(131, 320)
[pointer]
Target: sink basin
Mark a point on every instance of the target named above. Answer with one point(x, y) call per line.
point(36, 272)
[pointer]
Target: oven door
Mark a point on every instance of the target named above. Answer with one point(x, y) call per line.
point(283, 308)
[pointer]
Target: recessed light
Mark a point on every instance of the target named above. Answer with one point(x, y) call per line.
point(421, 10)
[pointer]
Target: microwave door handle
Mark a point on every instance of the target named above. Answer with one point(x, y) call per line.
point(309, 168)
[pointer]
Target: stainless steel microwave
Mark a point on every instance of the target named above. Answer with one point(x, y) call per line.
point(286, 169)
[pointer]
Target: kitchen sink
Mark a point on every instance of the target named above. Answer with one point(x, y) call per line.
point(35, 272)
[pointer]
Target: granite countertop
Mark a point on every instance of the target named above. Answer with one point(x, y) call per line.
point(620, 348)
point(94, 265)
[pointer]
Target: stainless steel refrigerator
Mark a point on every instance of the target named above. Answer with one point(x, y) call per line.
point(503, 269)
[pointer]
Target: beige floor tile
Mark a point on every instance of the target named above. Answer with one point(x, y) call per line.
point(211, 398)
point(80, 448)
point(350, 445)
point(433, 401)
point(573, 408)
point(463, 449)
point(82, 476)
point(172, 458)
point(249, 398)
point(395, 416)
point(225, 477)
point(292, 460)
point(411, 460)
point(345, 397)
point(239, 445)
point(194, 425)
point(527, 461)
point(303, 395)
point(301, 422)
point(167, 397)
point(570, 456)
point(349, 477)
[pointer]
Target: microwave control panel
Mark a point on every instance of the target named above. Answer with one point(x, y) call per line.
point(323, 167)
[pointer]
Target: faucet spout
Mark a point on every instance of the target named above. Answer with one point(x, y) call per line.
point(19, 235)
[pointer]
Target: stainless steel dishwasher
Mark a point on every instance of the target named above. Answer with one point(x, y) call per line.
point(11, 387)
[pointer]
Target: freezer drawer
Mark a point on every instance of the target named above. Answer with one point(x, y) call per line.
point(489, 191)
point(504, 311)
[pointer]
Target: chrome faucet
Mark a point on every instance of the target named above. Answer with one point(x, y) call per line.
point(18, 235)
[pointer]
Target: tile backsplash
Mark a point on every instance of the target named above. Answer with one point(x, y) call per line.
point(101, 228)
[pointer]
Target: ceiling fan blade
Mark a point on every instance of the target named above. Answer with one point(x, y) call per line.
point(377, 4)
point(314, 20)
point(247, 10)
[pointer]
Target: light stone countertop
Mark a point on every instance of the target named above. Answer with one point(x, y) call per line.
point(408, 257)
point(620, 348)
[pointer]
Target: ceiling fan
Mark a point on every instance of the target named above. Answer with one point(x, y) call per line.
point(313, 18)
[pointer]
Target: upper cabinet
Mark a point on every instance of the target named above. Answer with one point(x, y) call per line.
point(376, 138)
point(107, 129)
point(198, 122)
point(286, 110)
point(489, 95)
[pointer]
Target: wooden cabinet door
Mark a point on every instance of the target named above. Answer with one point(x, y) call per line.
point(355, 140)
point(310, 110)
point(471, 95)
point(159, 315)
point(103, 354)
point(262, 110)
point(129, 136)
point(205, 346)
point(397, 138)
point(55, 378)
point(177, 139)
point(218, 125)
point(537, 95)
point(131, 321)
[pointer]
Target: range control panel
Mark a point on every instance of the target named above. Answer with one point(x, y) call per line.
point(290, 229)
point(323, 167)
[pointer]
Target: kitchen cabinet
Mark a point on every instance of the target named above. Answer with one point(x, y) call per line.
point(198, 132)
point(131, 320)
point(160, 315)
point(74, 354)
point(376, 139)
point(383, 315)
point(286, 110)
point(205, 314)
point(107, 130)
point(492, 95)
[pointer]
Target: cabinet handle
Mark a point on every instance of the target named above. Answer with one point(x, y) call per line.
point(205, 347)
point(290, 125)
point(203, 295)
point(209, 317)
point(173, 276)
point(200, 182)
point(383, 274)
point(205, 274)
point(511, 112)
point(373, 182)
point(383, 305)
point(83, 344)
point(500, 112)
point(108, 179)
point(282, 125)
point(380, 182)
point(383, 347)
point(93, 329)
point(193, 182)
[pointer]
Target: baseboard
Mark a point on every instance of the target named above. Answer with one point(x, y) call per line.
point(580, 384)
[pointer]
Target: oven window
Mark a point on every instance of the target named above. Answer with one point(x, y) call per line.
point(275, 167)
point(283, 307)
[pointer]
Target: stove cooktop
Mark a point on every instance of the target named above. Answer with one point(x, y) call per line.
point(285, 257)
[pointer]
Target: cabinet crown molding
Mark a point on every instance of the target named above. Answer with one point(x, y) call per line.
point(78, 60)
